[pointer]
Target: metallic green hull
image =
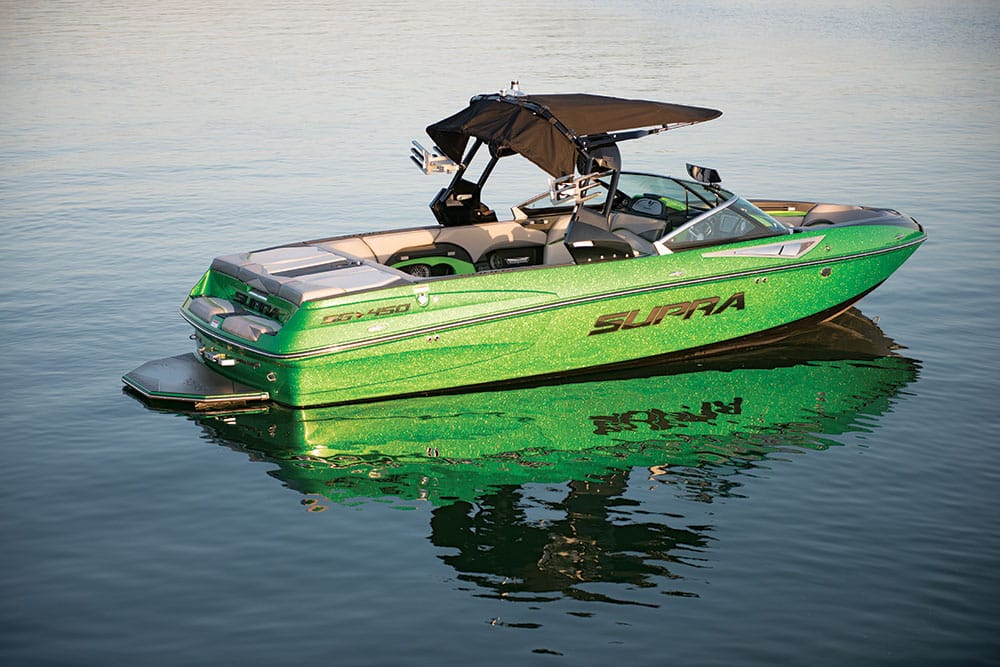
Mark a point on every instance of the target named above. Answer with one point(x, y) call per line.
point(469, 330)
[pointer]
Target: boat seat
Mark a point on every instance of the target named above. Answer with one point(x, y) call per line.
point(207, 307)
point(639, 231)
point(588, 239)
point(478, 240)
point(364, 276)
point(250, 327)
point(472, 242)
point(352, 245)
point(301, 273)
point(641, 246)
point(555, 249)
point(386, 244)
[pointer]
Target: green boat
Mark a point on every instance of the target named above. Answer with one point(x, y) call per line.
point(604, 268)
point(684, 421)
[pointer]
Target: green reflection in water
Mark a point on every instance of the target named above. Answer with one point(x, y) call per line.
point(476, 458)
point(723, 413)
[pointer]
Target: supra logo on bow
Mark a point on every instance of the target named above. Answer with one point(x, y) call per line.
point(684, 310)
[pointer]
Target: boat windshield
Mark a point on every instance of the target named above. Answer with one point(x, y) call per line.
point(675, 193)
point(735, 220)
point(696, 215)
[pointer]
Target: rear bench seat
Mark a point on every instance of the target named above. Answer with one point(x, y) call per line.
point(297, 274)
point(303, 273)
point(476, 240)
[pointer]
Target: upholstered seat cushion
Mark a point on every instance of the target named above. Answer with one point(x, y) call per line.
point(250, 327)
point(340, 281)
point(301, 273)
point(207, 307)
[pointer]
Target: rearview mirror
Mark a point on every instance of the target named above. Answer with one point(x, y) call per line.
point(704, 174)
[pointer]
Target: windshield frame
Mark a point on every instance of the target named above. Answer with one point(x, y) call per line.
point(773, 228)
point(701, 200)
point(529, 208)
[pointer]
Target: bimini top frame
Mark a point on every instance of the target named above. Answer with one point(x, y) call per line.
point(559, 133)
point(552, 130)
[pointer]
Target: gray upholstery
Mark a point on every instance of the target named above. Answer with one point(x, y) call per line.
point(651, 229)
point(353, 246)
point(306, 272)
point(478, 240)
point(332, 283)
point(589, 239)
point(555, 251)
point(207, 307)
point(639, 231)
point(250, 327)
point(640, 245)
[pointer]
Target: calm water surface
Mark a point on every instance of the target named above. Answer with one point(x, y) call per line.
point(829, 501)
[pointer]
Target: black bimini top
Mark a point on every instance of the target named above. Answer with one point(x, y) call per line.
point(550, 130)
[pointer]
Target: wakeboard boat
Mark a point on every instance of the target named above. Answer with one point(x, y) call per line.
point(604, 268)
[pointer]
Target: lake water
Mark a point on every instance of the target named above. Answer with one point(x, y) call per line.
point(831, 501)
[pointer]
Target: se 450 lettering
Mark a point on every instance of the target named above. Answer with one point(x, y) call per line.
point(374, 312)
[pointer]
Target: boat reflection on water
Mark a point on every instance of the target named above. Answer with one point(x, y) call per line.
point(527, 485)
point(724, 411)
